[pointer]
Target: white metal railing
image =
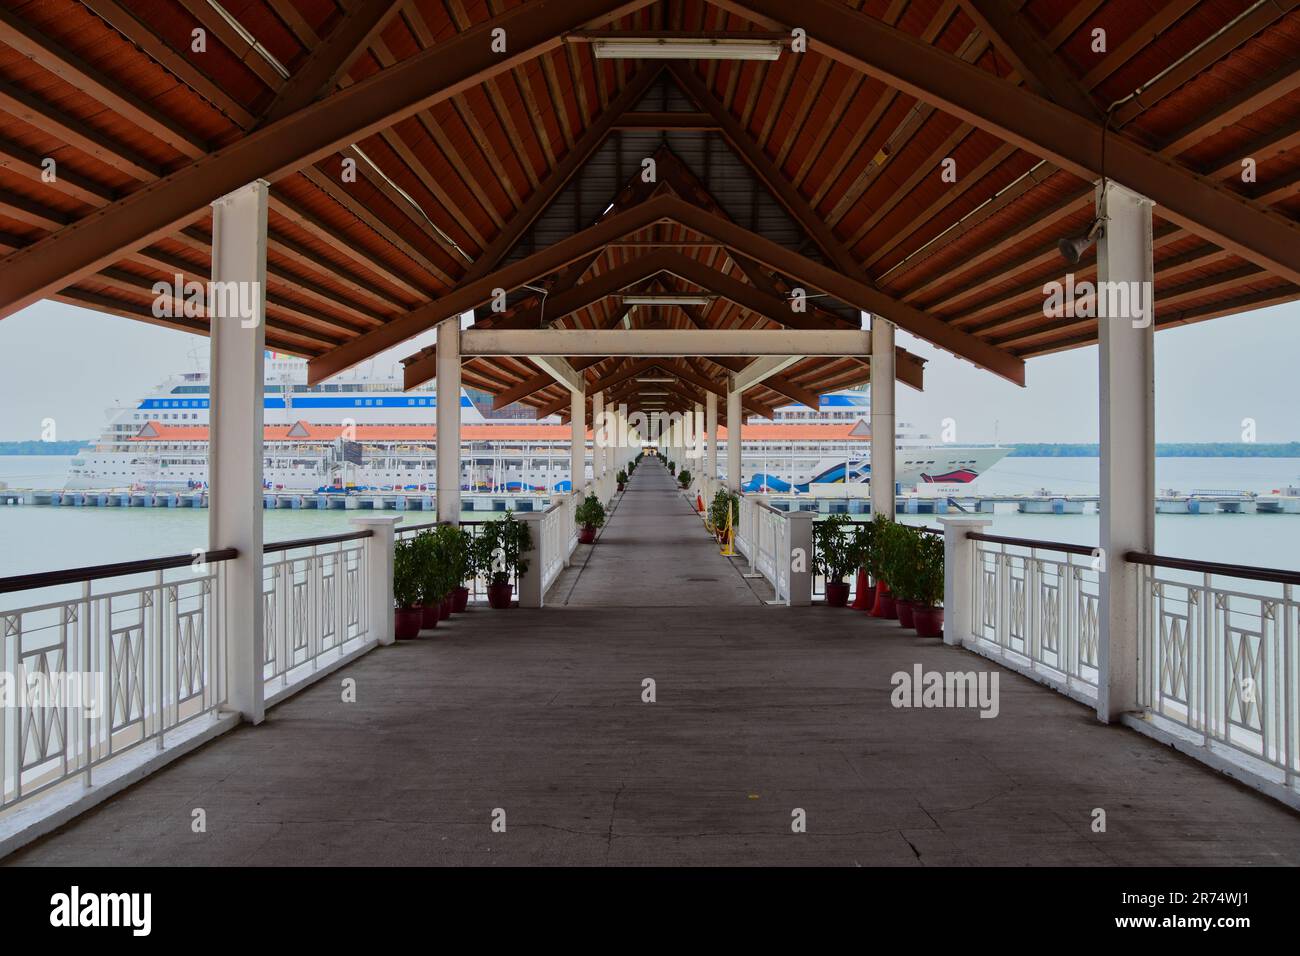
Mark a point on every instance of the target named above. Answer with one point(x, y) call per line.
point(93, 676)
point(1037, 604)
point(313, 606)
point(1218, 659)
point(763, 536)
point(559, 537)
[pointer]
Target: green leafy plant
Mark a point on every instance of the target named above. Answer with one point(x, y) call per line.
point(428, 570)
point(835, 548)
point(900, 552)
point(621, 477)
point(874, 534)
point(928, 587)
point(672, 467)
point(499, 547)
point(450, 560)
point(724, 500)
point(406, 573)
point(684, 477)
point(590, 513)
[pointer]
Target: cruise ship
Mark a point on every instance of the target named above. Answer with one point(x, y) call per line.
point(363, 432)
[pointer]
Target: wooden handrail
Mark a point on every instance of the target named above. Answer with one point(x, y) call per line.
point(1032, 543)
point(1246, 571)
point(48, 579)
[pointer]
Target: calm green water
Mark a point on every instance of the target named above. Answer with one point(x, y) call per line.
point(42, 538)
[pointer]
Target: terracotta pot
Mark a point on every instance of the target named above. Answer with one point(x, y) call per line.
point(406, 622)
point(460, 599)
point(929, 621)
point(586, 535)
point(444, 609)
point(863, 597)
point(837, 593)
point(905, 609)
point(499, 595)
point(884, 602)
point(430, 615)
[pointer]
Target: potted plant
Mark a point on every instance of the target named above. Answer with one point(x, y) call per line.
point(684, 477)
point(927, 612)
point(621, 478)
point(725, 502)
point(904, 571)
point(424, 548)
point(835, 556)
point(589, 515)
point(406, 590)
point(449, 545)
point(498, 552)
point(462, 567)
point(876, 563)
point(672, 468)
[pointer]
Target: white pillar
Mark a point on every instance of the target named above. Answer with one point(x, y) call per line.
point(599, 435)
point(958, 577)
point(711, 427)
point(733, 437)
point(577, 440)
point(448, 447)
point(801, 553)
point(530, 582)
point(379, 573)
point(237, 385)
point(697, 438)
point(882, 417)
point(1127, 396)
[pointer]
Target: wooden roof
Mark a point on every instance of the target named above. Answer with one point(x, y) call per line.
point(473, 165)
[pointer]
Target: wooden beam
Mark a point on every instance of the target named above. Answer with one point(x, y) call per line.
point(329, 60)
point(287, 145)
point(1045, 129)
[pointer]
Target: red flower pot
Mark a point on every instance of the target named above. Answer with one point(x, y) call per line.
point(429, 616)
point(586, 535)
point(444, 608)
point(837, 593)
point(460, 599)
point(406, 622)
point(620, 486)
point(929, 621)
point(499, 595)
point(863, 596)
point(884, 602)
point(905, 609)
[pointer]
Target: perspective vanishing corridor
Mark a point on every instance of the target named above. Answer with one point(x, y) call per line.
point(758, 711)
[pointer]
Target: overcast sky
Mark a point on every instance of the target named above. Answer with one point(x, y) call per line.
point(70, 364)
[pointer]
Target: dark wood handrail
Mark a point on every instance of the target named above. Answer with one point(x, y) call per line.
point(276, 546)
point(1246, 571)
point(1032, 543)
point(48, 579)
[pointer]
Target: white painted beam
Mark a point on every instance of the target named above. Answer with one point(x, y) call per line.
point(666, 343)
point(560, 370)
point(763, 368)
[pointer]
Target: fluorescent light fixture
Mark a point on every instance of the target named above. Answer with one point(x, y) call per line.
point(657, 378)
point(667, 299)
point(648, 48)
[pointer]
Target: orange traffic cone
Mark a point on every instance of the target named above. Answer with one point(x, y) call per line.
point(699, 502)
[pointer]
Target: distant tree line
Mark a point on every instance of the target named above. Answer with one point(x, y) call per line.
point(1224, 449)
point(38, 447)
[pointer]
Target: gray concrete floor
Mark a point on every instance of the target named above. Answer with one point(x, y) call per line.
point(759, 710)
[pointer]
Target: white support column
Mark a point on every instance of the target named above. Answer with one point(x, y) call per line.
point(882, 417)
point(734, 425)
point(958, 577)
point(235, 419)
point(711, 427)
point(697, 438)
point(600, 433)
point(530, 582)
point(577, 441)
point(379, 572)
point(800, 558)
point(448, 446)
point(1127, 395)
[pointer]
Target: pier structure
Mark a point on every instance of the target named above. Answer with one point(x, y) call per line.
point(665, 218)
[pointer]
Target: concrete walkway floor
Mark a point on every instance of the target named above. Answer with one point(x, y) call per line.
point(653, 551)
point(758, 712)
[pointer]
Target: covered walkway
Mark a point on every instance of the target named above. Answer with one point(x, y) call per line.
point(758, 711)
point(654, 553)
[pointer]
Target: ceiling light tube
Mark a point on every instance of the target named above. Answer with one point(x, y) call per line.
point(685, 49)
point(667, 300)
